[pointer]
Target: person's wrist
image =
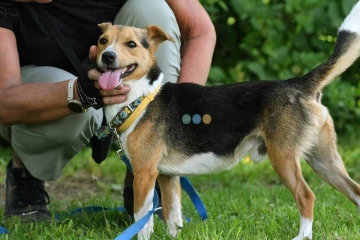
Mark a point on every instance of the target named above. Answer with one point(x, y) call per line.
point(78, 97)
point(74, 104)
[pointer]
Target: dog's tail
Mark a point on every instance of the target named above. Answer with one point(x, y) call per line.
point(347, 50)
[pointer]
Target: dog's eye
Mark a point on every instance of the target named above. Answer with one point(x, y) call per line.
point(103, 41)
point(131, 44)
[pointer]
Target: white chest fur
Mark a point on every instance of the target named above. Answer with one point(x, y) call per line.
point(138, 88)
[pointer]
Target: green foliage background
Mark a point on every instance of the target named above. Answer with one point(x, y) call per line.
point(278, 39)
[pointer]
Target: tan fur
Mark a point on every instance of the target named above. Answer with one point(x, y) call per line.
point(104, 26)
point(287, 165)
point(145, 149)
point(328, 164)
point(283, 127)
point(156, 37)
point(120, 35)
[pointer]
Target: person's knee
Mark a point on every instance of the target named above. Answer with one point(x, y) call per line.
point(76, 128)
point(72, 131)
point(32, 74)
point(141, 13)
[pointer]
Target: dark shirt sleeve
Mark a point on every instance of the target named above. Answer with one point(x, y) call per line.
point(8, 14)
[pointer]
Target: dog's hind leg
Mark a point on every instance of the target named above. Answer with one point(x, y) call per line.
point(171, 202)
point(287, 165)
point(328, 164)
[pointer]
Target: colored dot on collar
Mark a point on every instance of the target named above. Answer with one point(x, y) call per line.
point(186, 119)
point(206, 119)
point(123, 114)
point(196, 118)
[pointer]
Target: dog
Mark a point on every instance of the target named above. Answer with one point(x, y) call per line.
point(281, 120)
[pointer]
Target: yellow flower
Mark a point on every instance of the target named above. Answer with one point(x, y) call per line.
point(247, 160)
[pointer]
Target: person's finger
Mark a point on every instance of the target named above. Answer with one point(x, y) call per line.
point(123, 87)
point(114, 99)
point(94, 74)
point(113, 92)
point(97, 85)
point(120, 86)
point(92, 52)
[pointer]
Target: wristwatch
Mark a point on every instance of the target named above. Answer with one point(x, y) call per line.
point(73, 104)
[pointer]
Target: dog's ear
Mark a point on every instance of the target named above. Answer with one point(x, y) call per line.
point(104, 26)
point(157, 36)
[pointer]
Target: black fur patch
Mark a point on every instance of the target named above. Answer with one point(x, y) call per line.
point(343, 42)
point(145, 43)
point(262, 149)
point(153, 74)
point(235, 110)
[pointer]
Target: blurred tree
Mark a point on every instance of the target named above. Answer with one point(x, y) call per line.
point(278, 39)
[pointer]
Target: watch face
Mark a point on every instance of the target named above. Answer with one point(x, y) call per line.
point(76, 107)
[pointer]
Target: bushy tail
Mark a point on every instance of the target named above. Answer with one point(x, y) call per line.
point(347, 50)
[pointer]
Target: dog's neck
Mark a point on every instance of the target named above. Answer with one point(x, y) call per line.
point(138, 88)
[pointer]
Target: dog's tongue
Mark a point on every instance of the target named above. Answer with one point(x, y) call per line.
point(110, 79)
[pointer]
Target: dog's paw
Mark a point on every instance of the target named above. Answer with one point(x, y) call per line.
point(175, 221)
point(146, 231)
point(174, 228)
point(175, 224)
point(298, 237)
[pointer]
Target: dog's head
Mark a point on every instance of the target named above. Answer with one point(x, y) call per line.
point(127, 53)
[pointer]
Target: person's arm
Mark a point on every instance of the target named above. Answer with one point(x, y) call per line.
point(26, 103)
point(33, 102)
point(198, 40)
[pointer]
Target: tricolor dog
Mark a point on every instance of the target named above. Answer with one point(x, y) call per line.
point(283, 120)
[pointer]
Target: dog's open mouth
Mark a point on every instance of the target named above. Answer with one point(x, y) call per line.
point(112, 77)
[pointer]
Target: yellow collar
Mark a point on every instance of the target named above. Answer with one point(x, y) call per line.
point(135, 114)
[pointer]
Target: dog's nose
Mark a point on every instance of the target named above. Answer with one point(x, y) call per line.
point(108, 57)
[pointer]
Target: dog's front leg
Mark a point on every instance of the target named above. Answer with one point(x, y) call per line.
point(145, 149)
point(144, 183)
point(171, 202)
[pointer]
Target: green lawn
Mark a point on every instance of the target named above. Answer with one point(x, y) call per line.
point(247, 202)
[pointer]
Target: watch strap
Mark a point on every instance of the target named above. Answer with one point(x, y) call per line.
point(71, 89)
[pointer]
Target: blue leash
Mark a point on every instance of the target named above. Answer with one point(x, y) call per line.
point(3, 230)
point(131, 231)
point(195, 198)
point(137, 226)
point(185, 184)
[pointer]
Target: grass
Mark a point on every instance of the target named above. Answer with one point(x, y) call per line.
point(247, 202)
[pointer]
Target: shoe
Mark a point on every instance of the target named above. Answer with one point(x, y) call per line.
point(128, 195)
point(26, 197)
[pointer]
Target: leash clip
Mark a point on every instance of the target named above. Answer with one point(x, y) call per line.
point(119, 152)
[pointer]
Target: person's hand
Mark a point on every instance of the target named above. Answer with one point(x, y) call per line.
point(90, 92)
